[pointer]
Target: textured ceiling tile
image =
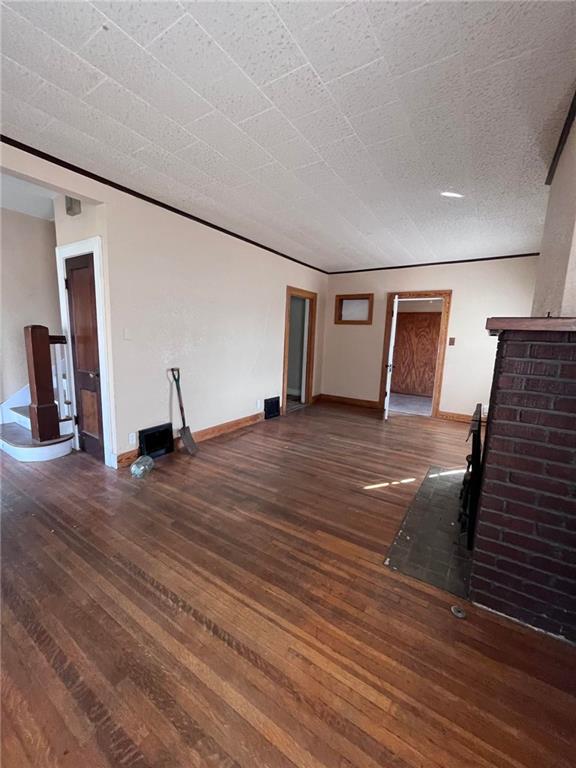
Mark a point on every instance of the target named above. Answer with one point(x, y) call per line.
point(64, 141)
point(364, 89)
point(71, 23)
point(135, 113)
point(353, 163)
point(62, 105)
point(383, 12)
point(399, 161)
point(493, 31)
point(441, 130)
point(219, 18)
point(17, 79)
point(381, 123)
point(192, 54)
point(317, 175)
point(273, 176)
point(214, 164)
point(443, 81)
point(340, 43)
point(143, 21)
point(172, 166)
point(535, 84)
point(324, 126)
point(269, 128)
point(294, 153)
point(116, 54)
point(481, 118)
point(425, 34)
point(159, 186)
point(23, 116)
point(235, 95)
point(38, 52)
point(230, 141)
point(261, 44)
point(297, 15)
point(298, 93)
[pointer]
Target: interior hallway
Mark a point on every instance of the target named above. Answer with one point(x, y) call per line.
point(233, 609)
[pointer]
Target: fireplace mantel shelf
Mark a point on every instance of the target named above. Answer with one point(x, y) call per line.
point(496, 324)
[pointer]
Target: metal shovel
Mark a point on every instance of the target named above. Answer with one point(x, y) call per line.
point(185, 434)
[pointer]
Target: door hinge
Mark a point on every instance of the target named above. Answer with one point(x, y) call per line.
point(76, 420)
point(66, 286)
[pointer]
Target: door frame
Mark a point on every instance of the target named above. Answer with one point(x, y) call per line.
point(313, 297)
point(92, 245)
point(446, 295)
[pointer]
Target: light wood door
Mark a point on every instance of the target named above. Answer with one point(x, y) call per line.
point(84, 338)
point(415, 353)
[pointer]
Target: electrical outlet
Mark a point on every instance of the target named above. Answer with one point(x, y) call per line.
point(258, 405)
point(484, 410)
point(132, 438)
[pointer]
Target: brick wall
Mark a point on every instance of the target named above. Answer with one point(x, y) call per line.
point(524, 562)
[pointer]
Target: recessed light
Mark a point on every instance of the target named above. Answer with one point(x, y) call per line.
point(451, 194)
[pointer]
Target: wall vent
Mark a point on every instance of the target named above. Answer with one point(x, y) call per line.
point(156, 441)
point(73, 206)
point(271, 407)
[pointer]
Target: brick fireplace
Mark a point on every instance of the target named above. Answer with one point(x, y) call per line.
point(524, 561)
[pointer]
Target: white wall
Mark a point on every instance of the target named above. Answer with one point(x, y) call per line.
point(29, 291)
point(181, 294)
point(353, 353)
point(556, 280)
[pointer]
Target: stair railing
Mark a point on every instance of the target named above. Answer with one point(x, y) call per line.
point(61, 380)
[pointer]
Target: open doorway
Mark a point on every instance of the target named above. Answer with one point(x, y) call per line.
point(414, 350)
point(299, 338)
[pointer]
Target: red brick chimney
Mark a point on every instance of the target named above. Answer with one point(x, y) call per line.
point(524, 561)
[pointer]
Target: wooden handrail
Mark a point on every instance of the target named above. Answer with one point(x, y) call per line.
point(44, 422)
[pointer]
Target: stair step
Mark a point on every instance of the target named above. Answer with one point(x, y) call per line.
point(24, 410)
point(20, 437)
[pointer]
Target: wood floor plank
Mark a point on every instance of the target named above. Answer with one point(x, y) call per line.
point(233, 610)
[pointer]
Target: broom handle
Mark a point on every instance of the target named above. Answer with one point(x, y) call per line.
point(176, 376)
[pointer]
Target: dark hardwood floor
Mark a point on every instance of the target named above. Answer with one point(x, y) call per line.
point(233, 610)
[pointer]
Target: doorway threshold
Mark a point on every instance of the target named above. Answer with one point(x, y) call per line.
point(411, 404)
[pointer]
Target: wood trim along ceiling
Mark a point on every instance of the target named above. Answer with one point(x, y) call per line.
point(436, 263)
point(446, 295)
point(121, 188)
point(566, 128)
point(310, 350)
point(125, 459)
point(114, 185)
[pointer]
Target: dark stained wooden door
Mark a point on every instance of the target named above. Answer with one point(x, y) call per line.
point(415, 353)
point(84, 338)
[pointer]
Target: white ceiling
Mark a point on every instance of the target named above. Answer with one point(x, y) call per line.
point(24, 197)
point(325, 130)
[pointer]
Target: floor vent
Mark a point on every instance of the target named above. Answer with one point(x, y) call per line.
point(156, 441)
point(271, 407)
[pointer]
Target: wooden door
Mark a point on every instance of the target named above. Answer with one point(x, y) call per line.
point(84, 340)
point(415, 353)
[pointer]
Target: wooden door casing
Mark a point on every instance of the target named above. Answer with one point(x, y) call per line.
point(84, 341)
point(416, 353)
